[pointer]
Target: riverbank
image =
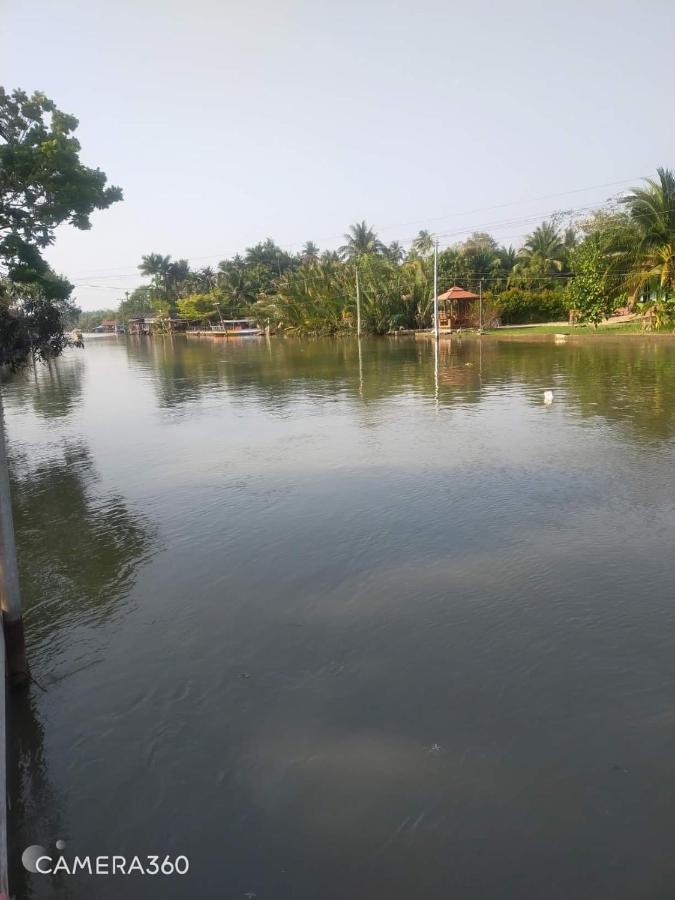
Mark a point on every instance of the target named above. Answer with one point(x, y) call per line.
point(625, 324)
point(623, 328)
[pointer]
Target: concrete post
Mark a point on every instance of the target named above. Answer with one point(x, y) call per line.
point(10, 595)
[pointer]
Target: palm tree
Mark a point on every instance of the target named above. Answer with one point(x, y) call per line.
point(651, 261)
point(178, 276)
point(310, 252)
point(154, 264)
point(423, 243)
point(157, 267)
point(236, 287)
point(207, 278)
point(480, 257)
point(507, 256)
point(361, 240)
point(543, 254)
point(394, 252)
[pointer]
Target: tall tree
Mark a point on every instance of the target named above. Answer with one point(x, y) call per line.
point(360, 240)
point(310, 252)
point(157, 267)
point(43, 184)
point(394, 252)
point(423, 244)
point(651, 260)
point(543, 255)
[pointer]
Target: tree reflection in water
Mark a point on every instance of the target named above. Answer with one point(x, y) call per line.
point(626, 381)
point(79, 548)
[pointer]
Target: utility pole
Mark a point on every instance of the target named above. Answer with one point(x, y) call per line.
point(436, 323)
point(480, 305)
point(358, 303)
point(10, 595)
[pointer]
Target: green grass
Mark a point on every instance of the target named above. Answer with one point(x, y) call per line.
point(577, 330)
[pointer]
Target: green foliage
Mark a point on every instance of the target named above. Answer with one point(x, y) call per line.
point(518, 306)
point(139, 303)
point(31, 326)
point(317, 298)
point(89, 319)
point(321, 298)
point(478, 259)
point(201, 307)
point(645, 249)
point(423, 245)
point(588, 292)
point(544, 255)
point(43, 185)
point(557, 267)
point(652, 210)
point(360, 241)
point(393, 297)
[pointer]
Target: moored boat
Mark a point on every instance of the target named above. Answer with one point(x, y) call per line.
point(232, 328)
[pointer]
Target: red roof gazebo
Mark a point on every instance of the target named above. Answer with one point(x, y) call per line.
point(462, 307)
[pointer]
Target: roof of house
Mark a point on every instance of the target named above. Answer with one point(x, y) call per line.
point(458, 293)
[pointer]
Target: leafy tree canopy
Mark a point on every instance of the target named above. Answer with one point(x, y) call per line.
point(43, 184)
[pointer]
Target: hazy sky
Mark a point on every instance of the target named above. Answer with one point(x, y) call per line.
point(225, 123)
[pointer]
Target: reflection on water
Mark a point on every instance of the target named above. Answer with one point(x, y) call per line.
point(79, 547)
point(625, 379)
point(350, 619)
point(52, 389)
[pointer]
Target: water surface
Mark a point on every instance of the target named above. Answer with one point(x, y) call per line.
point(347, 621)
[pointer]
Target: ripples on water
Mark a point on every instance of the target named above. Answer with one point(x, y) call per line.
point(350, 622)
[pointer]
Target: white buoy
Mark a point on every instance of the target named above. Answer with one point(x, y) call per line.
point(548, 397)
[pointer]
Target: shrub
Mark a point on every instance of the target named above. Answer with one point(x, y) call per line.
point(518, 306)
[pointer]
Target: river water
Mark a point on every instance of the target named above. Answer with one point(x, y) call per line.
point(348, 622)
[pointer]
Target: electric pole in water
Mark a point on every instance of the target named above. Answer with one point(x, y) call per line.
point(436, 323)
point(358, 303)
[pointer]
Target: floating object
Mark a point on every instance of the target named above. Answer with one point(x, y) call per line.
point(548, 397)
point(231, 328)
point(559, 338)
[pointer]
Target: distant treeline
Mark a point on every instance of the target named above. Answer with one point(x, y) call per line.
point(622, 254)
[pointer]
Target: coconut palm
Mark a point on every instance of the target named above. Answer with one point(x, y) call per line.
point(157, 267)
point(360, 240)
point(310, 252)
point(235, 286)
point(207, 278)
point(423, 243)
point(543, 254)
point(394, 252)
point(154, 264)
point(651, 260)
point(179, 276)
point(507, 256)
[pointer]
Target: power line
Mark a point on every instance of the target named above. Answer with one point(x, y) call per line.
point(225, 254)
point(495, 225)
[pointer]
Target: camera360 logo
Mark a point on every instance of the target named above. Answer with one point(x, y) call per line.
point(40, 861)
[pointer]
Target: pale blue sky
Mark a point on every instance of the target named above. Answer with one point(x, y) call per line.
point(227, 122)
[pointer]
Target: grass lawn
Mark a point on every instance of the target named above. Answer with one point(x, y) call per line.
point(577, 330)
